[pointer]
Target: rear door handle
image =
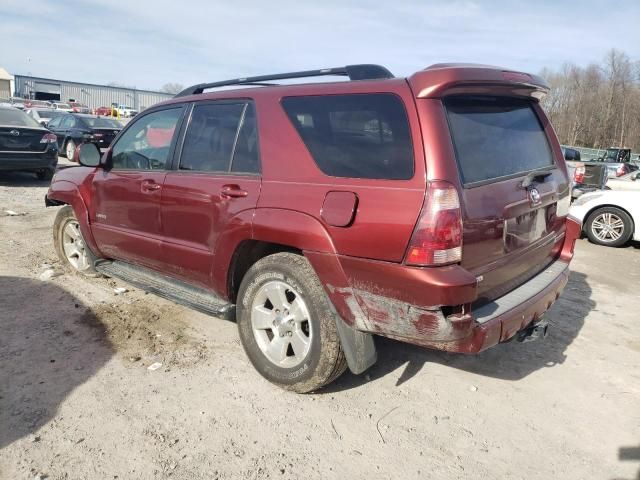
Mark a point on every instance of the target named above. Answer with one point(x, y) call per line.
point(150, 186)
point(233, 191)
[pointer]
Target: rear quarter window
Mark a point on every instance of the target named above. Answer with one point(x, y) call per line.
point(496, 137)
point(356, 136)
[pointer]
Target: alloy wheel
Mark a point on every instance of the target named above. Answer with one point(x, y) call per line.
point(607, 227)
point(281, 324)
point(74, 247)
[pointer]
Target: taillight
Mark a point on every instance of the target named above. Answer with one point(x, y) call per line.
point(49, 138)
point(621, 170)
point(578, 174)
point(437, 238)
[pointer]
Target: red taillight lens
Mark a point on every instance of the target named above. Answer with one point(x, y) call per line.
point(621, 170)
point(437, 239)
point(578, 174)
point(49, 138)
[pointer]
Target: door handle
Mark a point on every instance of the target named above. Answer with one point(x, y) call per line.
point(233, 191)
point(150, 186)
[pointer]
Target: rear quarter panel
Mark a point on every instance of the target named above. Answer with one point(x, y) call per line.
point(387, 209)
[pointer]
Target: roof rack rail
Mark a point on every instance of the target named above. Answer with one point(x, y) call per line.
point(354, 72)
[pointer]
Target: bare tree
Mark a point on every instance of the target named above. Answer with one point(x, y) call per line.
point(172, 88)
point(597, 105)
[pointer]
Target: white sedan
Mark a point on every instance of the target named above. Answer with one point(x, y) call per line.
point(630, 181)
point(609, 217)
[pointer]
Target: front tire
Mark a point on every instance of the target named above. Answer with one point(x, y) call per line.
point(70, 149)
point(70, 246)
point(609, 226)
point(287, 325)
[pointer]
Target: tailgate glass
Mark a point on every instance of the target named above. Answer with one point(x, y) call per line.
point(496, 137)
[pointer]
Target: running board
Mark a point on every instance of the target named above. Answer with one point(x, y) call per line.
point(166, 287)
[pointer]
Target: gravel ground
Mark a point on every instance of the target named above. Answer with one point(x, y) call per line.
point(78, 401)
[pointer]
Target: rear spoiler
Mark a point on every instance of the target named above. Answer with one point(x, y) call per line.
point(459, 78)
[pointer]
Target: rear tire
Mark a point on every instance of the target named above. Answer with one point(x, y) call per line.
point(69, 149)
point(287, 326)
point(70, 246)
point(46, 174)
point(609, 226)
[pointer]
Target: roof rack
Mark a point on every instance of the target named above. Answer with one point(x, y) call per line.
point(354, 72)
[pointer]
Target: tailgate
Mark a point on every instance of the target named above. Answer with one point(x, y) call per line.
point(511, 190)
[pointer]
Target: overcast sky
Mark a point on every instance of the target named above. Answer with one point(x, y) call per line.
point(147, 43)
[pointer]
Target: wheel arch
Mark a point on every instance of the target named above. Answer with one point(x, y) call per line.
point(64, 192)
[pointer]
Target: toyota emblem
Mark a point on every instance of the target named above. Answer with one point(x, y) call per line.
point(15, 133)
point(534, 196)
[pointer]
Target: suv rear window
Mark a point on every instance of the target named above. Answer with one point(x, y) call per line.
point(496, 137)
point(357, 136)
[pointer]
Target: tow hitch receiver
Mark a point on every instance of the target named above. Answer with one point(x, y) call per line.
point(533, 332)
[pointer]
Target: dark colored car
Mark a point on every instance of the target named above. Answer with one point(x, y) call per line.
point(431, 209)
point(73, 129)
point(25, 145)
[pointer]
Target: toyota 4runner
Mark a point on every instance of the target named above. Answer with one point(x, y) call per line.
point(431, 209)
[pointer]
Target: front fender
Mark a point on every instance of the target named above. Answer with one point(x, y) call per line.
point(66, 192)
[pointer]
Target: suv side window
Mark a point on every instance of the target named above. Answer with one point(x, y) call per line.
point(355, 135)
point(146, 144)
point(211, 136)
point(246, 158)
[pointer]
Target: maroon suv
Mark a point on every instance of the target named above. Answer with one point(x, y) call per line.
point(430, 209)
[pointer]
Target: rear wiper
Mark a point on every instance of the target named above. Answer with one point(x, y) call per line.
point(536, 176)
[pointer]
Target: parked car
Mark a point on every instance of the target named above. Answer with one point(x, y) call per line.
point(315, 215)
point(43, 115)
point(77, 107)
point(610, 217)
point(72, 129)
point(37, 104)
point(630, 181)
point(5, 102)
point(25, 145)
point(126, 112)
point(104, 111)
point(617, 160)
point(62, 106)
point(18, 103)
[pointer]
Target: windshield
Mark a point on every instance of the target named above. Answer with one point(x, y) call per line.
point(16, 118)
point(612, 154)
point(101, 122)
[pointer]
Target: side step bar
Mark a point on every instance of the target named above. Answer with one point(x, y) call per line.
point(166, 287)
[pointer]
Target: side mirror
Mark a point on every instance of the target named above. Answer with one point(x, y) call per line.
point(87, 155)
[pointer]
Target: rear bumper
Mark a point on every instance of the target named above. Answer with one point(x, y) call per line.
point(28, 161)
point(390, 308)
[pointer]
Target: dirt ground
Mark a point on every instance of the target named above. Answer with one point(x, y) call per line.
point(77, 400)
